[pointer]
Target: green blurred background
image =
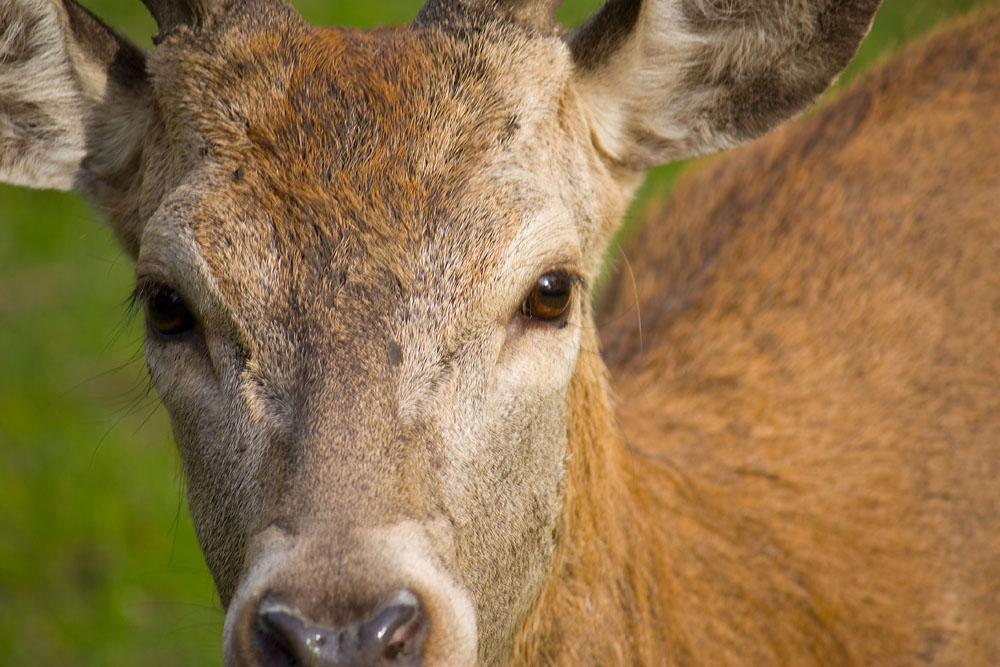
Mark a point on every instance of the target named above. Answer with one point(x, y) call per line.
point(98, 561)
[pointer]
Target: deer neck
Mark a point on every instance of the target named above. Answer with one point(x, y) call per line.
point(607, 578)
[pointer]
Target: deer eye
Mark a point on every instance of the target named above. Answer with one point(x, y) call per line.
point(166, 312)
point(549, 298)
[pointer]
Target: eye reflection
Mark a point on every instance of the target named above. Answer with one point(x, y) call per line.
point(549, 298)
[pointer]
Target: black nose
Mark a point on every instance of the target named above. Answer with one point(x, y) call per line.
point(392, 635)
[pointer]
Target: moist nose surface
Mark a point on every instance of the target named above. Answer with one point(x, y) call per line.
point(392, 636)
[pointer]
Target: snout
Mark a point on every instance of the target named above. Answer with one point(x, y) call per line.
point(376, 599)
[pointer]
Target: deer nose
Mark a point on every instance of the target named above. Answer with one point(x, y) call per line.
point(391, 636)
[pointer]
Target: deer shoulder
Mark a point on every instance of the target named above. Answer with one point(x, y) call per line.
point(804, 343)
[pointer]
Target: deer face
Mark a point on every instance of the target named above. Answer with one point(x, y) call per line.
point(364, 301)
point(364, 262)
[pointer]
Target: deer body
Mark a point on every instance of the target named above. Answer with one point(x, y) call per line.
point(822, 451)
point(365, 262)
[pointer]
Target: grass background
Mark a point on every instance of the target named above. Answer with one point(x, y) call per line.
point(98, 560)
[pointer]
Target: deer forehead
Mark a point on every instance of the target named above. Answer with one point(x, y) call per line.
point(333, 113)
point(385, 194)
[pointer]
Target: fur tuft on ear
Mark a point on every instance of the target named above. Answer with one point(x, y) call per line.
point(74, 98)
point(668, 79)
point(172, 14)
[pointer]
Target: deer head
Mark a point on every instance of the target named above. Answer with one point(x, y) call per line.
point(365, 261)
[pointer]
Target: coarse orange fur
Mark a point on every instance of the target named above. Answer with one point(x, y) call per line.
point(813, 412)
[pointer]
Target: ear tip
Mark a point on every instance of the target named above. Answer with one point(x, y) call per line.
point(538, 14)
point(172, 14)
point(846, 31)
point(704, 75)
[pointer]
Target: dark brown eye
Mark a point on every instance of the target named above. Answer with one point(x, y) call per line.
point(167, 313)
point(549, 299)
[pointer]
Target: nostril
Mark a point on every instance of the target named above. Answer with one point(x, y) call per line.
point(285, 639)
point(397, 628)
point(392, 635)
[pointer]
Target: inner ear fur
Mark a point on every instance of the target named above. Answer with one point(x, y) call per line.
point(663, 80)
point(75, 102)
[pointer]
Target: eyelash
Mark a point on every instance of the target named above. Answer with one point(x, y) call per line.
point(138, 298)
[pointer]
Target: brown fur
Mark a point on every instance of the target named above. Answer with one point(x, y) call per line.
point(813, 409)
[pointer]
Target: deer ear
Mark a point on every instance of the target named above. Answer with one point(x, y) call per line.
point(662, 80)
point(75, 101)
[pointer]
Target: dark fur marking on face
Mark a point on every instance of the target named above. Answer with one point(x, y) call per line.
point(395, 352)
point(510, 129)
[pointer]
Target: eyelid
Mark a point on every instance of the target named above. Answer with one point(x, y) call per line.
point(144, 289)
point(577, 279)
point(151, 271)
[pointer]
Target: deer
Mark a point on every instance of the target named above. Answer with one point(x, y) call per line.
point(366, 262)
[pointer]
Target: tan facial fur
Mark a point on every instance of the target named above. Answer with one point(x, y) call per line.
point(361, 360)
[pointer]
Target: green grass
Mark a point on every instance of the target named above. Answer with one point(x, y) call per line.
point(98, 562)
